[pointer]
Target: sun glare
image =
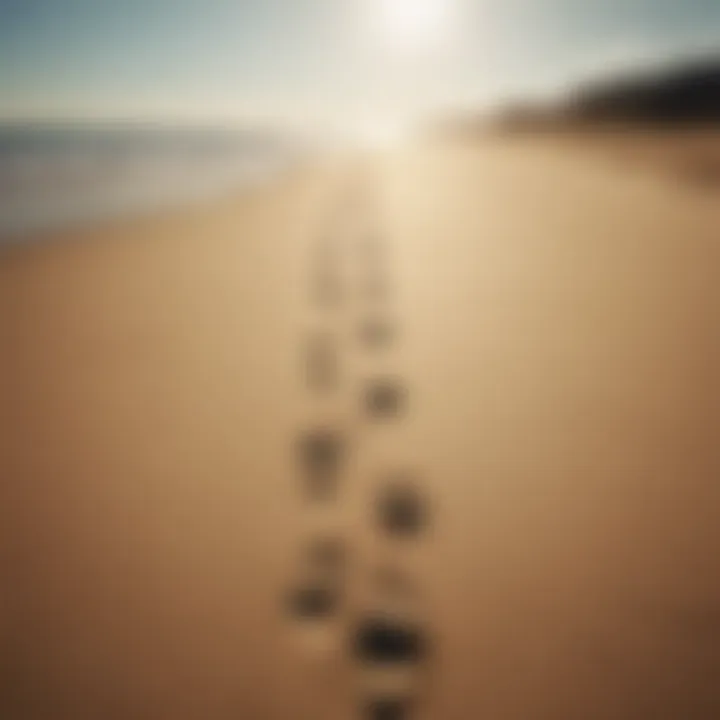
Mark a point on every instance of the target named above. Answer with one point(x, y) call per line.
point(412, 24)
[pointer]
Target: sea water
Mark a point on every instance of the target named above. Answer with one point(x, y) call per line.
point(55, 175)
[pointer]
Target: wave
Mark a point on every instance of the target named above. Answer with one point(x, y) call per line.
point(53, 176)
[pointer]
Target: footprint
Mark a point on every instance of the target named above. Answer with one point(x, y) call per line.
point(321, 363)
point(391, 646)
point(402, 509)
point(321, 454)
point(383, 639)
point(376, 332)
point(317, 596)
point(385, 398)
point(387, 708)
point(313, 601)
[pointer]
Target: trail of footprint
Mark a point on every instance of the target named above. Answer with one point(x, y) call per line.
point(388, 644)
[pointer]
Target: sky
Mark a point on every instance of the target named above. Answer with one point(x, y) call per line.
point(314, 61)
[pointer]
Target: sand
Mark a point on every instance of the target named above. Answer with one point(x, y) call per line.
point(558, 335)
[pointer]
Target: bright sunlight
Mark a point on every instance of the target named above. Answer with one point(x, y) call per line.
point(412, 24)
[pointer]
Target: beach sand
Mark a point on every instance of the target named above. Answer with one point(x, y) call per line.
point(558, 326)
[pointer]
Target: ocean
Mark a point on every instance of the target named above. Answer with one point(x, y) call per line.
point(53, 176)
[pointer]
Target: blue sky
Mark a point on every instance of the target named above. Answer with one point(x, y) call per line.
point(308, 60)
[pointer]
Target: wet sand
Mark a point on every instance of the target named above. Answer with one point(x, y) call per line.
point(558, 327)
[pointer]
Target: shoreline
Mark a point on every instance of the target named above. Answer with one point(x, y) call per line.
point(44, 231)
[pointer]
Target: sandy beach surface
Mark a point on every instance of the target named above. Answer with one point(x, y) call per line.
point(558, 322)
